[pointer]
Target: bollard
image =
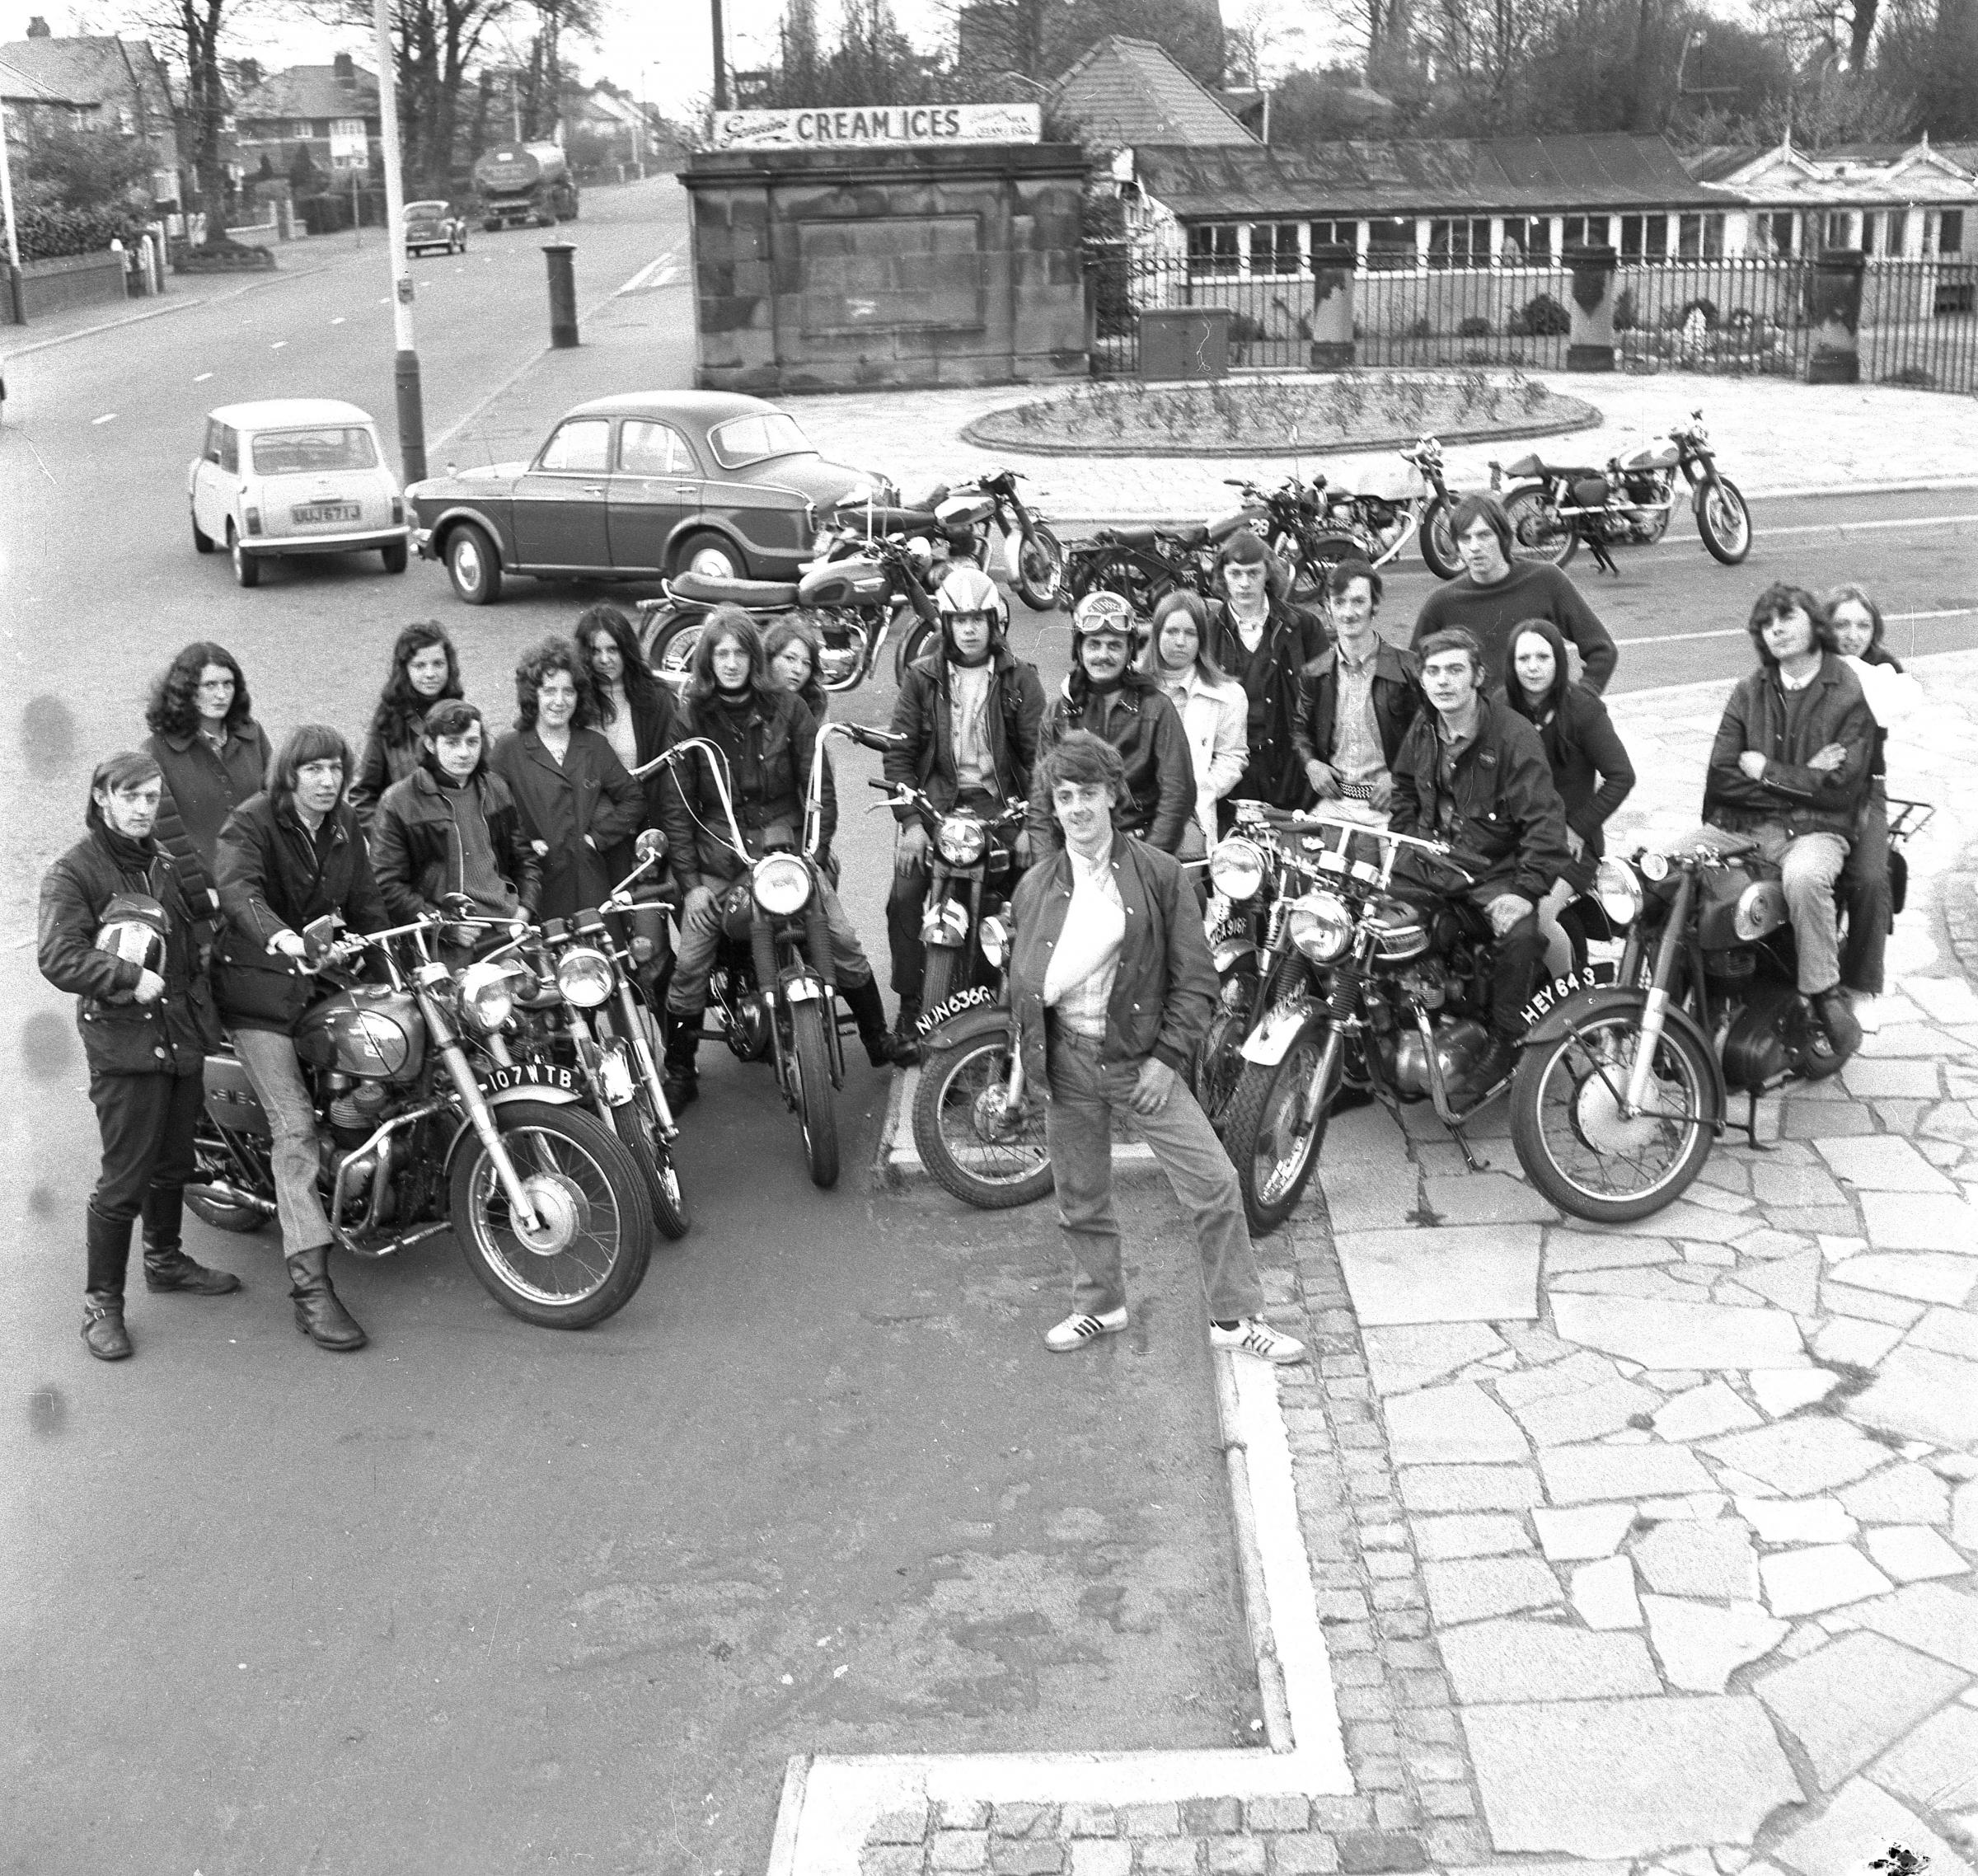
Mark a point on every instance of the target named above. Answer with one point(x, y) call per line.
point(1332, 306)
point(1834, 283)
point(1590, 346)
point(562, 257)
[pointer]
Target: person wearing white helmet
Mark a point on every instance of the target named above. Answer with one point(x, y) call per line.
point(968, 715)
point(1105, 694)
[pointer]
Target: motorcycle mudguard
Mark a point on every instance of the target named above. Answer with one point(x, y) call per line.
point(550, 1096)
point(1587, 1004)
point(1226, 956)
point(800, 987)
point(964, 1016)
point(1271, 1041)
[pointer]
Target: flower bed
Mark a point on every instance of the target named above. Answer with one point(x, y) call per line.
point(1278, 416)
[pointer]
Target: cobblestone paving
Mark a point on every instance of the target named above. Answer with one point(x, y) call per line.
point(1645, 1549)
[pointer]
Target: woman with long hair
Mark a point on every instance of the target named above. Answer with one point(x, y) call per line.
point(769, 739)
point(580, 808)
point(287, 857)
point(795, 650)
point(212, 756)
point(425, 668)
point(636, 713)
point(1213, 709)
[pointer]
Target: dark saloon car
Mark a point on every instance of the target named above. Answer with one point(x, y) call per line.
point(640, 486)
point(433, 226)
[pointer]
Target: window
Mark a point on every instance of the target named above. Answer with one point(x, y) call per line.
point(752, 439)
point(1839, 231)
point(1950, 231)
point(1335, 234)
point(215, 434)
point(654, 449)
point(310, 452)
point(582, 447)
point(1527, 238)
point(1774, 232)
point(1700, 237)
point(1213, 248)
point(1585, 231)
point(1644, 238)
point(1273, 247)
point(1896, 231)
point(1464, 243)
point(1390, 244)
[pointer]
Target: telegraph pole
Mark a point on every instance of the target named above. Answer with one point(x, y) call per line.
point(13, 241)
point(411, 405)
point(714, 8)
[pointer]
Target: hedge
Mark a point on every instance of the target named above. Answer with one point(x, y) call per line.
point(53, 234)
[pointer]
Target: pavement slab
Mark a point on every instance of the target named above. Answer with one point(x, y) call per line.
point(1863, 1819)
point(1927, 1276)
point(1604, 1778)
point(1586, 1413)
point(1937, 1765)
point(1911, 1552)
point(1700, 1647)
point(1918, 1221)
point(1804, 1583)
point(1813, 1453)
point(1462, 1273)
point(1853, 1699)
point(1790, 1280)
point(1798, 1521)
point(1902, 1494)
point(1943, 999)
point(1781, 1392)
point(1948, 1331)
point(1881, 1162)
point(1603, 1596)
point(1906, 1081)
point(1584, 1531)
point(1568, 1251)
point(1412, 1355)
point(1714, 1561)
point(1923, 1394)
point(1485, 1198)
point(1576, 1474)
point(1545, 1660)
point(1700, 1411)
point(1459, 1424)
point(1469, 1589)
point(1931, 1617)
point(1470, 1534)
point(1680, 1335)
point(1469, 1488)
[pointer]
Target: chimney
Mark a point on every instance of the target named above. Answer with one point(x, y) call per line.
point(345, 71)
point(37, 28)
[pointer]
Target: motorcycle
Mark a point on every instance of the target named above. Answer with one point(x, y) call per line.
point(1553, 509)
point(1622, 1090)
point(1386, 523)
point(859, 592)
point(1293, 521)
point(422, 1129)
point(1144, 564)
point(1032, 552)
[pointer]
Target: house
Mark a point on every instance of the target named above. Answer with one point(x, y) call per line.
point(1909, 202)
point(613, 128)
point(1125, 92)
point(329, 111)
point(114, 86)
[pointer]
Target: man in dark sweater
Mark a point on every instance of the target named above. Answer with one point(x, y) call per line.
point(1494, 595)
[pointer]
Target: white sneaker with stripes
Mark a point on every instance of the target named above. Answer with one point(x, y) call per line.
point(1253, 1336)
point(1077, 1329)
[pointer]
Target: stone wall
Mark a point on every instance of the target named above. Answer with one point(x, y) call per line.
point(842, 270)
point(79, 279)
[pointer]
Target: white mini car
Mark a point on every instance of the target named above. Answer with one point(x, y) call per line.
point(295, 476)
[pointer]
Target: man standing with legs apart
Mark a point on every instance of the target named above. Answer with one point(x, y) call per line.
point(1790, 768)
point(1112, 988)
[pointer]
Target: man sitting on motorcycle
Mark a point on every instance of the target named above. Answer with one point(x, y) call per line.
point(1790, 767)
point(1359, 698)
point(967, 716)
point(1471, 771)
point(1105, 694)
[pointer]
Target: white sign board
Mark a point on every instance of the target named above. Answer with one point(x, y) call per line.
point(349, 149)
point(900, 125)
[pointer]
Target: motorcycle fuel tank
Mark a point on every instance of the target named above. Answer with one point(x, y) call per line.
point(370, 1030)
point(842, 583)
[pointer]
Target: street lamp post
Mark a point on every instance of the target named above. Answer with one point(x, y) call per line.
point(411, 405)
point(19, 311)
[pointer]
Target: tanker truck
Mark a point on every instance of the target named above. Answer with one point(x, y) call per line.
point(521, 184)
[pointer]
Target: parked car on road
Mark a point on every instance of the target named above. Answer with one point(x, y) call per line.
point(431, 225)
point(645, 485)
point(295, 476)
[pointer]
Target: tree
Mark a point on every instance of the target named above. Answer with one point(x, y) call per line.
point(74, 168)
point(542, 69)
point(195, 31)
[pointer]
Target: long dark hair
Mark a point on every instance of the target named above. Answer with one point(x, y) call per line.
point(1877, 653)
point(311, 742)
point(727, 621)
point(1775, 602)
point(797, 628)
point(640, 683)
point(1514, 688)
point(174, 709)
point(537, 663)
point(400, 709)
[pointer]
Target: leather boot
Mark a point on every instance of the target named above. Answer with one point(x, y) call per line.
point(103, 1331)
point(679, 1079)
point(109, 1247)
point(318, 1314)
point(906, 1036)
point(868, 1011)
point(1831, 1009)
point(167, 1267)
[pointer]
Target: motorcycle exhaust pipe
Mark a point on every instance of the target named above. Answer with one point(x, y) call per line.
point(221, 1194)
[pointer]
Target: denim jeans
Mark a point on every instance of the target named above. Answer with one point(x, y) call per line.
point(269, 1059)
point(1809, 864)
point(700, 939)
point(1078, 1133)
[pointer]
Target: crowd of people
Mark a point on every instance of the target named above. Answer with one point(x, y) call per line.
point(209, 850)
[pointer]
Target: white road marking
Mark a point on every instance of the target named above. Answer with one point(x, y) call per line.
point(1739, 631)
point(201, 377)
point(1863, 526)
point(277, 345)
point(338, 321)
point(656, 273)
point(108, 417)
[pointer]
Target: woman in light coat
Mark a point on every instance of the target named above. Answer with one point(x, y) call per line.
point(1212, 708)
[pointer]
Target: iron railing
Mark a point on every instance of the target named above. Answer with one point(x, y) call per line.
point(1918, 323)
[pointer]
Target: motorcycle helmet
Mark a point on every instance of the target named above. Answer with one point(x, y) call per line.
point(1109, 611)
point(968, 589)
point(133, 931)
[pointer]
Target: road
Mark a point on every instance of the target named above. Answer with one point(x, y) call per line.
point(484, 1598)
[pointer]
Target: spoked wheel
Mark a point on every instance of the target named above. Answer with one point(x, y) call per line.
point(915, 634)
point(967, 1137)
point(943, 976)
point(670, 649)
point(587, 1253)
point(1438, 540)
point(1724, 522)
point(1221, 1062)
point(810, 1070)
point(1040, 568)
point(639, 1131)
point(1575, 1144)
point(1273, 1143)
point(1537, 533)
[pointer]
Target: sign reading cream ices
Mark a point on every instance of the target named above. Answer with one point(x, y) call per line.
point(896, 124)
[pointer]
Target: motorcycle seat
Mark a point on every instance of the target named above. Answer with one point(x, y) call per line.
point(889, 520)
point(757, 595)
point(1190, 533)
point(1533, 465)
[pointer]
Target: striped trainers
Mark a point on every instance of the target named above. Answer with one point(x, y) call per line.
point(1077, 1329)
point(1253, 1336)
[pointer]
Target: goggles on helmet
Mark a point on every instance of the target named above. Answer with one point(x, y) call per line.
point(1104, 611)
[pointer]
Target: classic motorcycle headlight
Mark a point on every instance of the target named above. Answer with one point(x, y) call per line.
point(584, 977)
point(487, 996)
point(782, 884)
point(994, 937)
point(1236, 869)
point(962, 840)
point(1321, 926)
point(1619, 893)
point(1654, 867)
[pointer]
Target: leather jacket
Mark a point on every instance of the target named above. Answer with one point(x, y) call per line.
point(1140, 723)
point(1804, 799)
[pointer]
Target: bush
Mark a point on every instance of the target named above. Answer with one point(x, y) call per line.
point(1472, 325)
point(1913, 378)
point(1706, 307)
point(1476, 355)
point(53, 233)
point(1422, 328)
point(1541, 316)
point(1625, 319)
